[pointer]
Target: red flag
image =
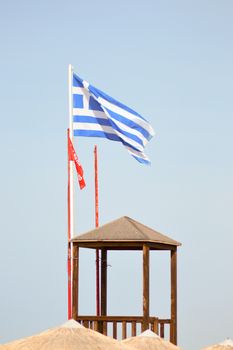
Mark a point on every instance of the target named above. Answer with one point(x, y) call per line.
point(73, 156)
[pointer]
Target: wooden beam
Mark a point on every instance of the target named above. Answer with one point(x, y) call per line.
point(119, 319)
point(146, 287)
point(123, 245)
point(173, 326)
point(75, 280)
point(103, 282)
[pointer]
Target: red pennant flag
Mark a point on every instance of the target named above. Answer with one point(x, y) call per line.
point(73, 156)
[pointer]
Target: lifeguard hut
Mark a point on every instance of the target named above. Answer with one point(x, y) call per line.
point(127, 234)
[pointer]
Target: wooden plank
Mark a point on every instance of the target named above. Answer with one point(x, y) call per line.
point(164, 320)
point(103, 282)
point(125, 245)
point(137, 319)
point(146, 287)
point(161, 330)
point(75, 281)
point(173, 326)
point(156, 326)
point(105, 328)
point(86, 324)
point(100, 327)
point(124, 333)
point(134, 330)
point(114, 329)
point(95, 326)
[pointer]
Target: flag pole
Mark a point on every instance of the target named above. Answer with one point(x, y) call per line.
point(70, 196)
point(97, 225)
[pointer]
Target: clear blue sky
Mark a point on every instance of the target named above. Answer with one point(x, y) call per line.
point(172, 62)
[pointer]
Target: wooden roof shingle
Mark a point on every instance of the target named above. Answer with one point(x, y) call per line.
point(125, 232)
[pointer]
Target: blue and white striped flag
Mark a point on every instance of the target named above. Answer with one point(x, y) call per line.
point(99, 115)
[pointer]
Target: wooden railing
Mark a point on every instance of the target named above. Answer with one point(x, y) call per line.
point(121, 327)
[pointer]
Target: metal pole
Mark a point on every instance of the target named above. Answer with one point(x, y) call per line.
point(70, 195)
point(69, 291)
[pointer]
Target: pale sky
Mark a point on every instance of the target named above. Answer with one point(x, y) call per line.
point(172, 62)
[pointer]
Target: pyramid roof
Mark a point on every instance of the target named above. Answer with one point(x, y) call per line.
point(125, 233)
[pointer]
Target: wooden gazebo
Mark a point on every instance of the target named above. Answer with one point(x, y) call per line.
point(127, 234)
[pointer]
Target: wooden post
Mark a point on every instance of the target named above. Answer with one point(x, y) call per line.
point(146, 287)
point(103, 327)
point(103, 282)
point(97, 225)
point(173, 329)
point(75, 279)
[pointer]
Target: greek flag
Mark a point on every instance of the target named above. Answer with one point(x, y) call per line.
point(95, 114)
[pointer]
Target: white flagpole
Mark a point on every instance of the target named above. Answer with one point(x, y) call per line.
point(71, 162)
point(70, 194)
